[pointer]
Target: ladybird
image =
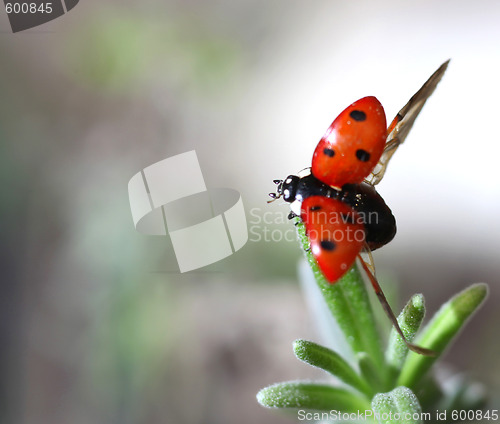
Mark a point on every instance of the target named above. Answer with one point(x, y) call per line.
point(352, 157)
point(349, 160)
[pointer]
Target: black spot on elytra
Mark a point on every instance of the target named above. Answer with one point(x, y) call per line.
point(358, 115)
point(362, 155)
point(315, 208)
point(329, 152)
point(327, 245)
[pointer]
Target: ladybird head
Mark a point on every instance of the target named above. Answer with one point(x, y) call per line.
point(286, 188)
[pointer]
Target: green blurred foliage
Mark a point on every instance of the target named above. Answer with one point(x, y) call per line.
point(121, 51)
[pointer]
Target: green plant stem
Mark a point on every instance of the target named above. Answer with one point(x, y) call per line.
point(409, 321)
point(348, 302)
point(371, 374)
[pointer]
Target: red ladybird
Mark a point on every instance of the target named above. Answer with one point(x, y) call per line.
point(355, 150)
point(356, 145)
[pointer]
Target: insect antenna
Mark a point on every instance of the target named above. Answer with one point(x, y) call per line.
point(273, 197)
point(278, 193)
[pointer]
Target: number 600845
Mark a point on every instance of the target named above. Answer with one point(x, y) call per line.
point(26, 8)
point(474, 415)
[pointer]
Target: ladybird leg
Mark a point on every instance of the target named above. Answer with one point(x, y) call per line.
point(390, 313)
point(369, 258)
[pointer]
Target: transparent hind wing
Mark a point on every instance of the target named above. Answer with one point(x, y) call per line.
point(401, 125)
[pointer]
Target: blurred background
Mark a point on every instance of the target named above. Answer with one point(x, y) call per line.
point(96, 323)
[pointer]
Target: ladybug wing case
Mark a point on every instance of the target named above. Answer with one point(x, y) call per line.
point(352, 145)
point(336, 234)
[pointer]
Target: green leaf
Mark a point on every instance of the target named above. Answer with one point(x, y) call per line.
point(409, 320)
point(371, 373)
point(312, 396)
point(330, 361)
point(429, 393)
point(441, 330)
point(398, 406)
point(348, 302)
